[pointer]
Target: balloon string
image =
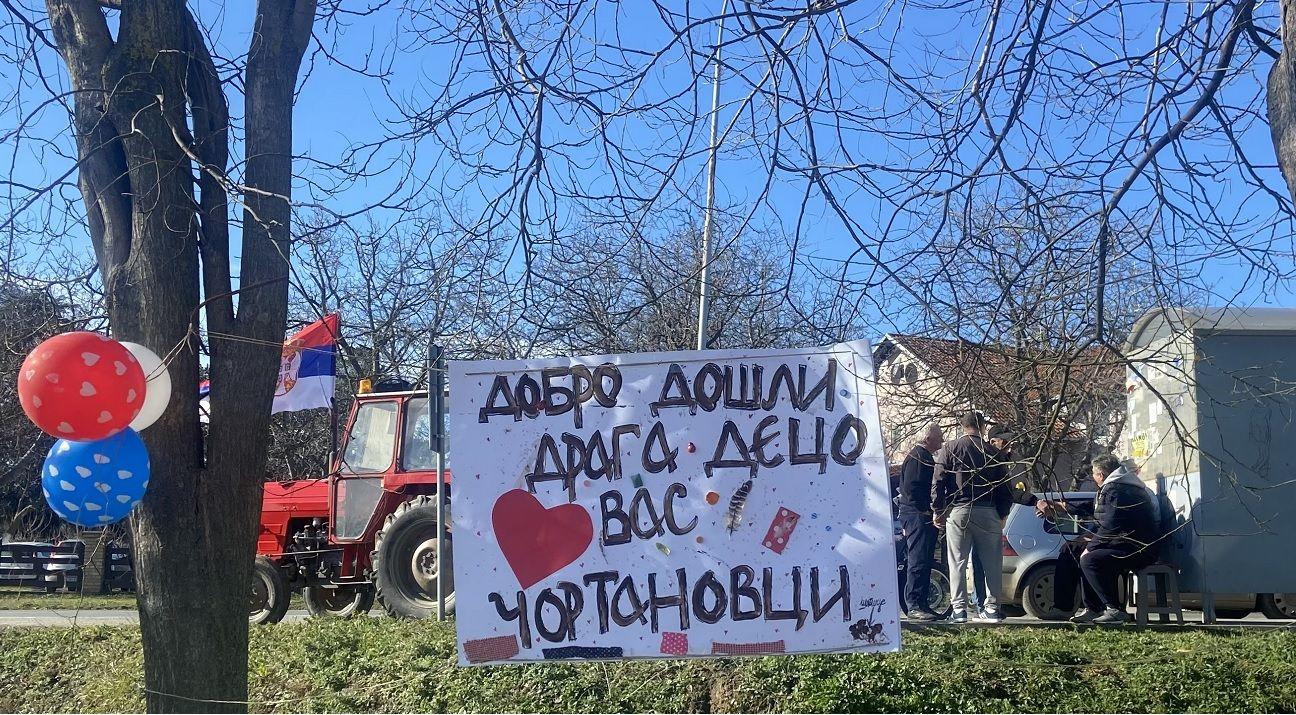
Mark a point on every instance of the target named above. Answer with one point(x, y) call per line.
point(175, 351)
point(257, 341)
point(267, 343)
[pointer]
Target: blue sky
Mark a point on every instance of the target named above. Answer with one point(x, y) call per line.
point(339, 109)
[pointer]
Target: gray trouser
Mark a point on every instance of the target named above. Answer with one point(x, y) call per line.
point(978, 528)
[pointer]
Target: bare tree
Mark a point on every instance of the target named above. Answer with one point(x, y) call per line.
point(1136, 142)
point(27, 316)
point(148, 109)
point(608, 293)
point(879, 125)
point(399, 287)
point(1006, 273)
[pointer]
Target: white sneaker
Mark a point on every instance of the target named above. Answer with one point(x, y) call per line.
point(989, 617)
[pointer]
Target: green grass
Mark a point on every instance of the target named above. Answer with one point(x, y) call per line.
point(32, 600)
point(385, 665)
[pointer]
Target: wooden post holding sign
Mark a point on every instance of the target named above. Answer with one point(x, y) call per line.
point(667, 505)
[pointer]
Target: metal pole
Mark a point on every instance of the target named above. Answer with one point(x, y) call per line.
point(333, 435)
point(333, 445)
point(708, 221)
point(436, 414)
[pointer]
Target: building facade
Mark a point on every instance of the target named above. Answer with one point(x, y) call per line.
point(1062, 406)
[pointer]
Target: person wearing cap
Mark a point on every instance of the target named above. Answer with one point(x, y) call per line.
point(1017, 472)
point(971, 498)
point(1019, 482)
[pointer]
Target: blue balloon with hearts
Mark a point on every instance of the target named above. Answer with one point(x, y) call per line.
point(96, 483)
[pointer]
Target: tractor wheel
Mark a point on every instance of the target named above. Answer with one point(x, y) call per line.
point(405, 568)
point(269, 598)
point(338, 601)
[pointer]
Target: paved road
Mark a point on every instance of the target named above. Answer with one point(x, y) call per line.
point(86, 617)
point(1191, 618)
point(90, 617)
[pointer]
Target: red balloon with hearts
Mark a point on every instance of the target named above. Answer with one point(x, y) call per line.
point(81, 386)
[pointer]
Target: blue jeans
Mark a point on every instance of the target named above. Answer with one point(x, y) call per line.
point(920, 545)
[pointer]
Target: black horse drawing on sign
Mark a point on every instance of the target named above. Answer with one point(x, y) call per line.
point(867, 630)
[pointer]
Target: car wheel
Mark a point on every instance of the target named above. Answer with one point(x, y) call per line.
point(1280, 606)
point(938, 594)
point(1037, 594)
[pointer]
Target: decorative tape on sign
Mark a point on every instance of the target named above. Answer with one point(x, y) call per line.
point(674, 643)
point(488, 649)
point(780, 530)
point(580, 651)
point(746, 648)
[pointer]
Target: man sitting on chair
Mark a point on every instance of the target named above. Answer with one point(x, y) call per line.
point(1125, 540)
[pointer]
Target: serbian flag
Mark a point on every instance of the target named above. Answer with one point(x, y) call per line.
point(204, 401)
point(307, 371)
point(308, 368)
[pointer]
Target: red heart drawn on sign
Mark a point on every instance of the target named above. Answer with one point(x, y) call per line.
point(536, 541)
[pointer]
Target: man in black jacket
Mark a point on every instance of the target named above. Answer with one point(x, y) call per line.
point(913, 508)
point(1125, 539)
point(1019, 473)
point(971, 497)
point(1019, 481)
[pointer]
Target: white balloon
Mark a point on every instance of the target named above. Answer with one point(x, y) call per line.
point(157, 391)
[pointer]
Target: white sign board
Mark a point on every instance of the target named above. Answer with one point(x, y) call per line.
point(671, 505)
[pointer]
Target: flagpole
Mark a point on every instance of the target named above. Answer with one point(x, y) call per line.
point(333, 429)
point(333, 436)
point(708, 219)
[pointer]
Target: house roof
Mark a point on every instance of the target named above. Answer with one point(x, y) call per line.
point(1013, 385)
point(1211, 321)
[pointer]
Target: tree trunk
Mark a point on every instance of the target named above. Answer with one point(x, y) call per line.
point(157, 242)
point(1282, 99)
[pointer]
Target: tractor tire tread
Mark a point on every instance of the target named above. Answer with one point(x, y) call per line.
point(375, 559)
point(317, 610)
point(282, 594)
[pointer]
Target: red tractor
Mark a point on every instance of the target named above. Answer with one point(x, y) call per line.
point(367, 530)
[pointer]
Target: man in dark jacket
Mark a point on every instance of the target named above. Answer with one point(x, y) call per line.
point(1125, 539)
point(1020, 479)
point(1020, 485)
point(971, 497)
point(913, 508)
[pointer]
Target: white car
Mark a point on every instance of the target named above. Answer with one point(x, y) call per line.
point(1030, 550)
